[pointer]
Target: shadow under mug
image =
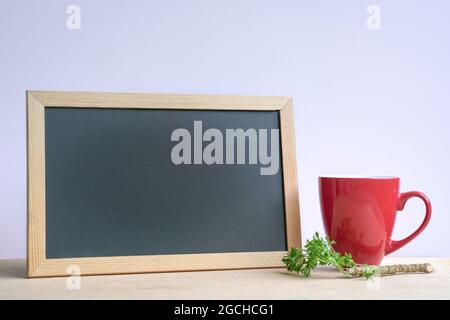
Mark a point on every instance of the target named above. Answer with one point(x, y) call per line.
point(359, 215)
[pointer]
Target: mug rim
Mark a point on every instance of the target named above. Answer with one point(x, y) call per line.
point(357, 177)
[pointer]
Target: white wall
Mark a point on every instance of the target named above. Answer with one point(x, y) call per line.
point(367, 101)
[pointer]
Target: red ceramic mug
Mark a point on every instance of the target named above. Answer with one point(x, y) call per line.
point(359, 215)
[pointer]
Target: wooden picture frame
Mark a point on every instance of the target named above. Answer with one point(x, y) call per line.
point(37, 263)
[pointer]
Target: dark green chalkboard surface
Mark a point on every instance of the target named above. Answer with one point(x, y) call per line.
point(112, 189)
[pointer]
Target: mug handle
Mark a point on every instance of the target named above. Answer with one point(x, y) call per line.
point(403, 198)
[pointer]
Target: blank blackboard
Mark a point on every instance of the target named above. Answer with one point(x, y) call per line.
point(107, 196)
point(112, 189)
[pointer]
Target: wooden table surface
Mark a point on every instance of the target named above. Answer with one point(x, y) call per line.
point(234, 284)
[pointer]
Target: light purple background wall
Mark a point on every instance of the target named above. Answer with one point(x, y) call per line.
point(373, 102)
